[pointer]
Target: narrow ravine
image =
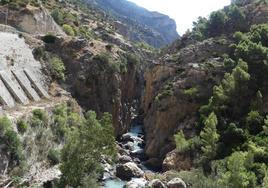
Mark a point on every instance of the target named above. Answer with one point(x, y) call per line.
point(131, 149)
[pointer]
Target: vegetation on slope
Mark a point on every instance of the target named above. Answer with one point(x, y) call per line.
point(87, 142)
point(231, 148)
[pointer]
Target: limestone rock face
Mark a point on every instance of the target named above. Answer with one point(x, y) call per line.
point(167, 104)
point(128, 170)
point(139, 24)
point(176, 183)
point(32, 20)
point(98, 85)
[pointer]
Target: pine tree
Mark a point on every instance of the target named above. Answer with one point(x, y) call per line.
point(209, 138)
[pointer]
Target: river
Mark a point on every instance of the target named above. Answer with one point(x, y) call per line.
point(135, 132)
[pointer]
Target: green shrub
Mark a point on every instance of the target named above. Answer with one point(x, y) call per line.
point(39, 118)
point(54, 156)
point(133, 59)
point(14, 145)
point(40, 114)
point(85, 32)
point(102, 58)
point(22, 126)
point(181, 143)
point(64, 120)
point(57, 16)
point(68, 29)
point(57, 68)
point(11, 140)
point(163, 95)
point(38, 53)
point(5, 124)
point(254, 122)
point(191, 92)
point(49, 38)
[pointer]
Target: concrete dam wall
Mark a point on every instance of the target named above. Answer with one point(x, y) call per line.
point(21, 78)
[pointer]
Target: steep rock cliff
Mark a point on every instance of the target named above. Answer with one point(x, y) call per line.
point(154, 28)
point(175, 89)
point(30, 19)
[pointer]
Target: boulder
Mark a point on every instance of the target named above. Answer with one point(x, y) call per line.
point(176, 183)
point(124, 159)
point(156, 183)
point(137, 160)
point(177, 161)
point(127, 138)
point(136, 183)
point(128, 170)
point(122, 151)
point(129, 146)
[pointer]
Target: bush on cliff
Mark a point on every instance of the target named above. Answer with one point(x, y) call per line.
point(68, 30)
point(57, 68)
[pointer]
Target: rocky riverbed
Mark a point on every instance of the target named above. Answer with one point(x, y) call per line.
point(131, 157)
point(133, 165)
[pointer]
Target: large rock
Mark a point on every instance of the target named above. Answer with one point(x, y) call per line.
point(32, 20)
point(177, 161)
point(136, 183)
point(124, 159)
point(176, 183)
point(128, 170)
point(129, 146)
point(127, 138)
point(156, 183)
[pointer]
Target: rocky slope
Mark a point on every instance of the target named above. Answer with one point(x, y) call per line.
point(139, 24)
point(182, 80)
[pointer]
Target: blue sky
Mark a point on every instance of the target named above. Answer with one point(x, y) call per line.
point(184, 12)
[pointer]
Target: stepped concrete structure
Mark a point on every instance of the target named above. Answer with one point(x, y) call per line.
point(21, 78)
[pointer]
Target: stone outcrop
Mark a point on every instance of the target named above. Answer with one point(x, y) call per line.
point(139, 24)
point(177, 161)
point(167, 106)
point(176, 183)
point(32, 20)
point(128, 170)
point(156, 183)
point(136, 183)
point(98, 85)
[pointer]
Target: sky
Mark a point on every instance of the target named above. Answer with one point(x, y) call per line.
point(184, 12)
